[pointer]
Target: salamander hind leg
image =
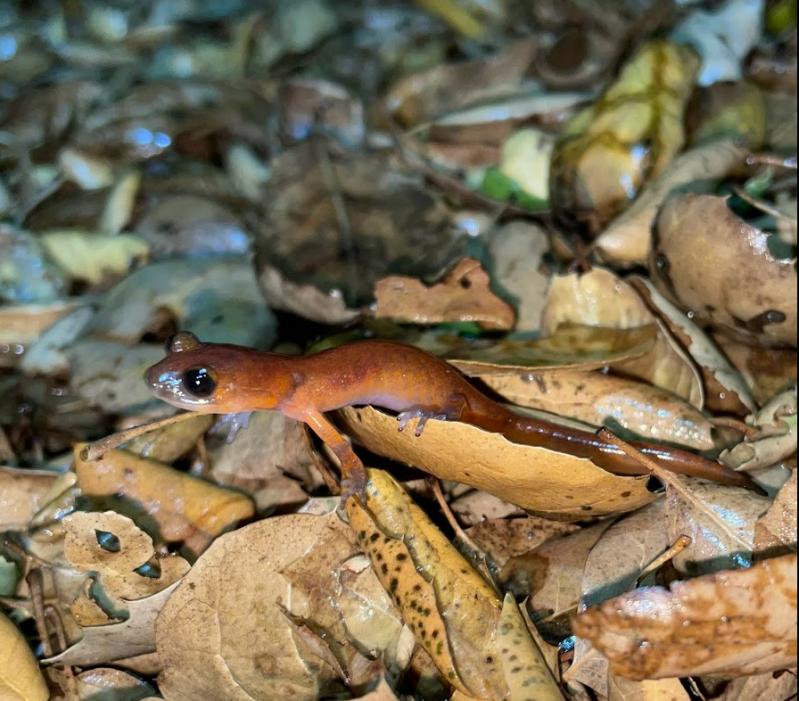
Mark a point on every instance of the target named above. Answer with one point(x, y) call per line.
point(450, 411)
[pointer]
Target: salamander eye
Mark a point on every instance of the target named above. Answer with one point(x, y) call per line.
point(199, 382)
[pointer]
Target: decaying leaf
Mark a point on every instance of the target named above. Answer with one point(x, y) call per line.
point(608, 151)
point(720, 268)
point(732, 622)
point(180, 504)
point(776, 440)
point(22, 494)
point(20, 677)
point(627, 240)
point(537, 479)
point(463, 295)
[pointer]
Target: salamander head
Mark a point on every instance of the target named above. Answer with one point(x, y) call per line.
point(213, 378)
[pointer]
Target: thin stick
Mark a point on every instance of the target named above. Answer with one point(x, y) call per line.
point(435, 485)
point(96, 449)
point(679, 545)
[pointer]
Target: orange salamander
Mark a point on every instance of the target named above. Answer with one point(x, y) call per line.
point(224, 379)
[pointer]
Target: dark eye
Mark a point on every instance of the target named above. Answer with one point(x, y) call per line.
point(198, 381)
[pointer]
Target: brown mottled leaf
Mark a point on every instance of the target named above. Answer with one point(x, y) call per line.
point(463, 295)
point(502, 538)
point(451, 609)
point(732, 622)
point(534, 478)
point(551, 575)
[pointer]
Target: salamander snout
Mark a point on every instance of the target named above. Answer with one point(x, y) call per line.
point(191, 388)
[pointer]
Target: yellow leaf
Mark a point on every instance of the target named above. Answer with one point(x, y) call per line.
point(20, 678)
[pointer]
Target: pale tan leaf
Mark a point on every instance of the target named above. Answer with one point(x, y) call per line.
point(600, 298)
point(534, 478)
point(761, 687)
point(227, 632)
point(732, 622)
point(22, 494)
point(20, 678)
point(670, 689)
point(133, 636)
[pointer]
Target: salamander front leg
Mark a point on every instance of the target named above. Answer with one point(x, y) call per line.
point(353, 473)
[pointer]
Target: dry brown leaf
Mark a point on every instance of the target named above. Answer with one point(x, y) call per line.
point(24, 323)
point(273, 460)
point(473, 506)
point(597, 398)
point(733, 622)
point(115, 547)
point(502, 539)
point(464, 294)
point(766, 370)
point(621, 689)
point(551, 575)
point(181, 505)
point(106, 643)
point(452, 611)
point(600, 298)
point(716, 265)
point(627, 240)
point(720, 521)
point(20, 678)
point(622, 552)
point(101, 681)
point(777, 527)
point(228, 631)
point(533, 478)
point(172, 441)
point(585, 347)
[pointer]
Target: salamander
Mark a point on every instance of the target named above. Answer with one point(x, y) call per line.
point(223, 378)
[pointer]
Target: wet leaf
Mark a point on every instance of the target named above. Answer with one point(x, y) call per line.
point(731, 622)
point(463, 295)
point(776, 529)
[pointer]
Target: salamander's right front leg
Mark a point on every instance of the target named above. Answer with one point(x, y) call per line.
point(353, 473)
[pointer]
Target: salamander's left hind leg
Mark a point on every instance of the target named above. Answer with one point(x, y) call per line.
point(353, 473)
point(450, 411)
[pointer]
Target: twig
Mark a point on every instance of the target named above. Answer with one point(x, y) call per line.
point(679, 545)
point(95, 450)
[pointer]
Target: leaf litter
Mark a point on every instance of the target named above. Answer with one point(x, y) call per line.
point(588, 210)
